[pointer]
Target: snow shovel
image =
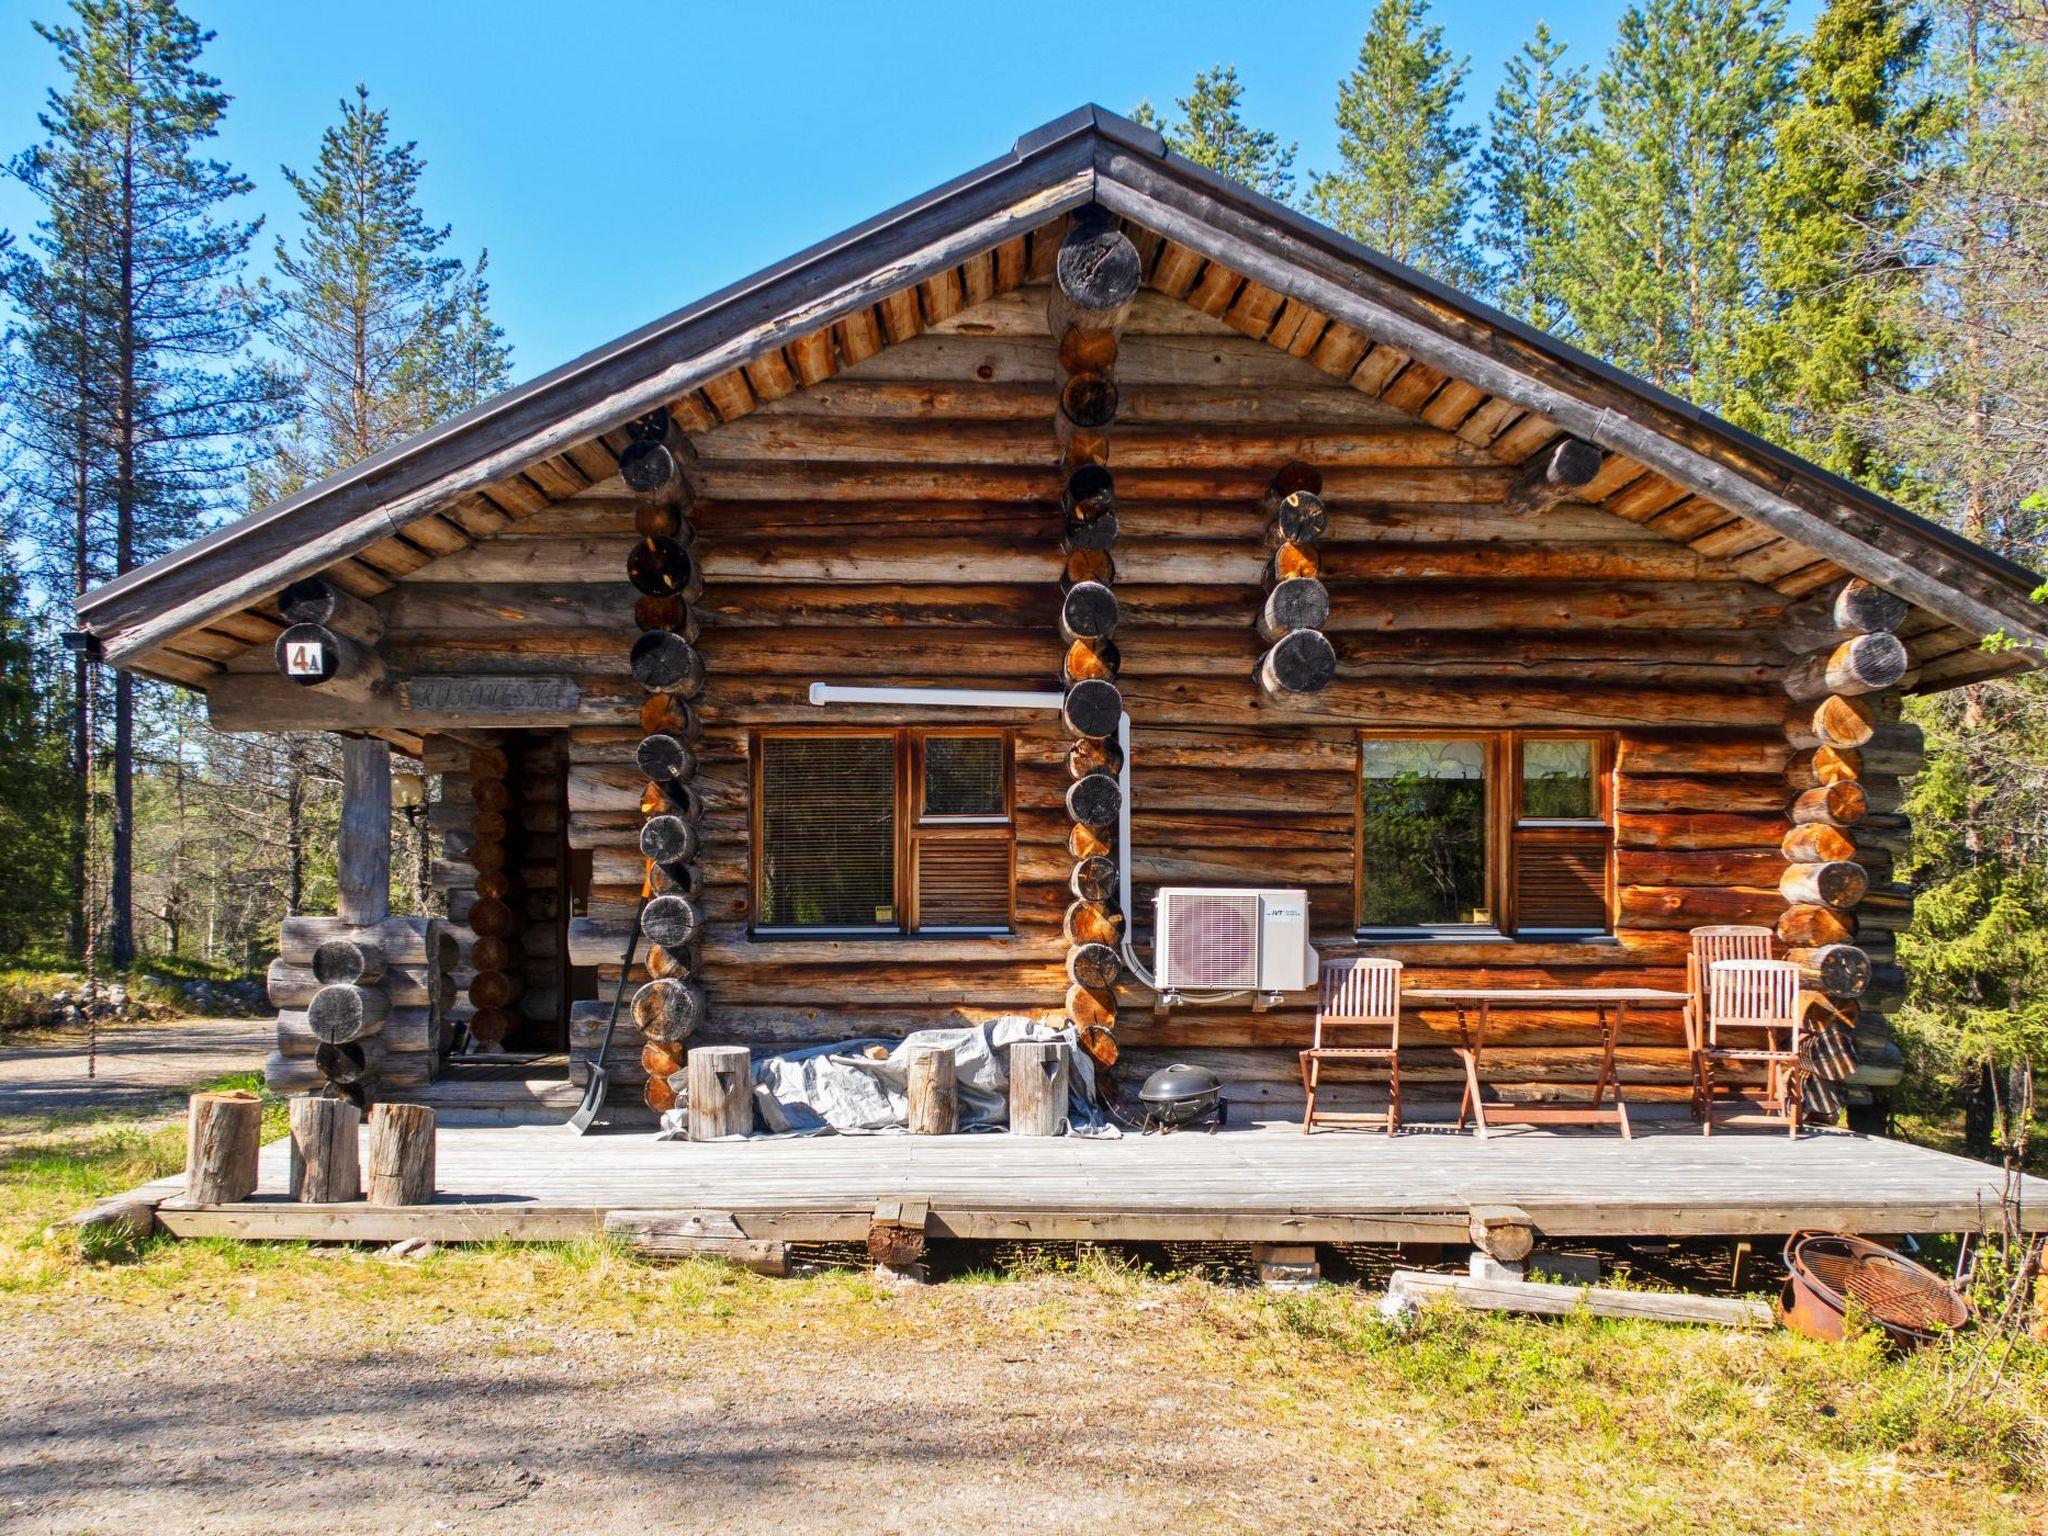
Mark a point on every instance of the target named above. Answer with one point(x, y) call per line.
point(595, 1090)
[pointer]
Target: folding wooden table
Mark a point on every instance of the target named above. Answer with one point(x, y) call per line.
point(1609, 1005)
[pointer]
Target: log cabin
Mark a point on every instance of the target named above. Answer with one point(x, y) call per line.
point(896, 622)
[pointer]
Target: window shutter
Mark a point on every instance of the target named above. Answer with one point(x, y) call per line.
point(963, 882)
point(1560, 878)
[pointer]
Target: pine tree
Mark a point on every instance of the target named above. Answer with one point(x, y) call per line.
point(385, 333)
point(1402, 187)
point(1535, 135)
point(1212, 132)
point(1835, 203)
point(36, 787)
point(1666, 278)
point(137, 265)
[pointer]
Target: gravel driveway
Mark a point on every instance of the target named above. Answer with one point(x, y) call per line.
point(138, 1067)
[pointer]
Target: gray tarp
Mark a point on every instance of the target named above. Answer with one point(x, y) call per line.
point(826, 1088)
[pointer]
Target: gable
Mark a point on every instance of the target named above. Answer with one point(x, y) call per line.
point(1473, 396)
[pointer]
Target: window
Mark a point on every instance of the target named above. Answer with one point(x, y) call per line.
point(1483, 833)
point(903, 831)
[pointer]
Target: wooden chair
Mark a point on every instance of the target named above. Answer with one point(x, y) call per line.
point(1726, 941)
point(1753, 1019)
point(1358, 1019)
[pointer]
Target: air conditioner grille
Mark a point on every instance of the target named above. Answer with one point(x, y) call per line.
point(1213, 939)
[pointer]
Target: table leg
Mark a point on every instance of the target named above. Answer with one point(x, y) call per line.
point(1472, 1084)
point(1464, 1056)
point(1620, 1103)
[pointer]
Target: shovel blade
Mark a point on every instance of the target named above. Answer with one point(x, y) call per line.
point(593, 1100)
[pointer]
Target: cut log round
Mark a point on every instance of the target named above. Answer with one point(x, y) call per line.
point(665, 714)
point(1092, 922)
point(1866, 664)
point(493, 954)
point(1833, 805)
point(663, 567)
point(934, 1090)
point(672, 613)
point(1835, 721)
point(1038, 1087)
point(1098, 532)
point(1088, 1008)
point(668, 840)
point(349, 961)
point(679, 964)
point(678, 879)
point(1554, 475)
point(344, 1064)
point(1812, 927)
point(663, 1058)
point(1817, 843)
point(1836, 883)
point(1084, 351)
point(1084, 842)
point(1299, 518)
point(673, 799)
point(489, 827)
point(1299, 602)
point(1094, 754)
point(662, 517)
point(223, 1137)
point(1299, 664)
point(1094, 966)
point(647, 467)
point(1092, 708)
point(1093, 879)
point(1090, 658)
point(659, 1095)
point(1095, 800)
point(1090, 565)
point(490, 795)
point(401, 1155)
point(326, 1151)
point(493, 919)
point(316, 600)
point(668, 1010)
point(488, 1027)
point(496, 989)
point(666, 759)
point(1089, 400)
point(489, 763)
point(1293, 562)
point(314, 656)
point(1293, 476)
point(672, 921)
point(1838, 970)
point(1095, 274)
point(721, 1092)
point(1088, 611)
point(664, 662)
point(342, 1012)
point(1823, 765)
point(1090, 493)
point(1826, 619)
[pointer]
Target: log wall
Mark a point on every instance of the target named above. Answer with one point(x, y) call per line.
point(899, 523)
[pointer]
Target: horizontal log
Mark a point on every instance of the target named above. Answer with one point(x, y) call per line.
point(1835, 883)
point(338, 1014)
point(316, 600)
point(1832, 805)
point(402, 940)
point(1298, 603)
point(1700, 752)
point(292, 986)
point(1835, 970)
point(405, 1031)
point(1680, 830)
point(1694, 906)
point(1829, 617)
point(1299, 665)
point(1815, 927)
point(1866, 664)
point(1823, 765)
point(1817, 843)
point(1834, 721)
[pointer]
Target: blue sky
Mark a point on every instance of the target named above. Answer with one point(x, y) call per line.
point(620, 160)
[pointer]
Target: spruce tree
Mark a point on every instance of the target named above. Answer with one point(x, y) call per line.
point(1666, 272)
point(1212, 132)
point(1836, 202)
point(1403, 186)
point(1535, 135)
point(384, 332)
point(138, 263)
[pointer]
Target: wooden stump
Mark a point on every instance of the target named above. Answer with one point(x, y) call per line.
point(223, 1134)
point(327, 1164)
point(1038, 1087)
point(401, 1155)
point(934, 1091)
point(721, 1092)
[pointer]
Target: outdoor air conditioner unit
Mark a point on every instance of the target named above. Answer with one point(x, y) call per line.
point(1224, 940)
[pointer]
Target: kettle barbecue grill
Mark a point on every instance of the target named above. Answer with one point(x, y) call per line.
point(1181, 1095)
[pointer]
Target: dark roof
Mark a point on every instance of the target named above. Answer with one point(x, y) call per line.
point(1088, 155)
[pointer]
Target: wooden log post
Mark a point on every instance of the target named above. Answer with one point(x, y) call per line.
point(1845, 659)
point(1553, 476)
point(721, 1091)
point(223, 1137)
point(1038, 1087)
point(1096, 274)
point(934, 1091)
point(326, 1150)
point(1299, 661)
point(496, 958)
point(669, 1006)
point(401, 1155)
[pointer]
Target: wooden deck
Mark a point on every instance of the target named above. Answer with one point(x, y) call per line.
point(1256, 1184)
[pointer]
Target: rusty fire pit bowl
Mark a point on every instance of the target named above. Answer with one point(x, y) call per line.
point(1827, 1270)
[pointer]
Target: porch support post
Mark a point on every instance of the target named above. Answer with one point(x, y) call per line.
point(363, 867)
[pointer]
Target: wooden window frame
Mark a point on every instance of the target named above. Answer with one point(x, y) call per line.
point(913, 828)
point(1504, 826)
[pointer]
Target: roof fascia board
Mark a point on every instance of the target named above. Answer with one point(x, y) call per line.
point(1273, 252)
point(354, 510)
